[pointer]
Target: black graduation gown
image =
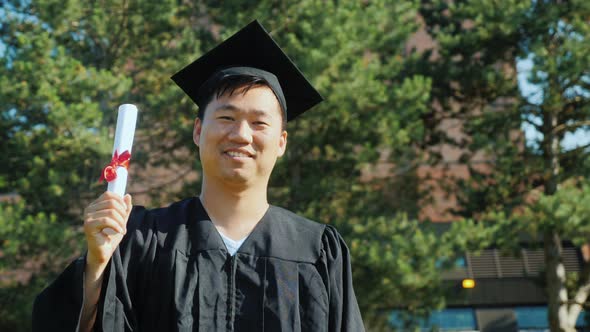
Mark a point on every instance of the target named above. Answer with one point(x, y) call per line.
point(172, 272)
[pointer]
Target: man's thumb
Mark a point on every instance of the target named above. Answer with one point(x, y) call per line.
point(128, 202)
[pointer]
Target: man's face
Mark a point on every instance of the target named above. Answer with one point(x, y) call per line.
point(241, 136)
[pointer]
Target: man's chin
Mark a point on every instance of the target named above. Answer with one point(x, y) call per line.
point(238, 177)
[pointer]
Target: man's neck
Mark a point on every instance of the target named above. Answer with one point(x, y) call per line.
point(234, 211)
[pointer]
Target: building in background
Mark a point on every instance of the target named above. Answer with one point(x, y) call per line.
point(506, 295)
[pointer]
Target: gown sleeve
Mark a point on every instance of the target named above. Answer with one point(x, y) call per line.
point(59, 306)
point(344, 313)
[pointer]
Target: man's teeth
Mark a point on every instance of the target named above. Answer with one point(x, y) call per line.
point(237, 154)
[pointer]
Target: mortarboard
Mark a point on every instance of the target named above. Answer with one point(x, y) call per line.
point(250, 51)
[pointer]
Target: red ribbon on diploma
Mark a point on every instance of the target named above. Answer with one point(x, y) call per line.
point(109, 173)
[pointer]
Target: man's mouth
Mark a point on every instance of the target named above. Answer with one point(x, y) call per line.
point(237, 154)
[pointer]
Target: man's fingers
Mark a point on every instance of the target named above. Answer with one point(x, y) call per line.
point(129, 202)
point(108, 196)
point(111, 214)
point(102, 197)
point(108, 214)
point(98, 225)
point(109, 231)
point(105, 222)
point(108, 205)
point(118, 216)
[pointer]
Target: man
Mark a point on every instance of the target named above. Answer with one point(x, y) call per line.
point(225, 260)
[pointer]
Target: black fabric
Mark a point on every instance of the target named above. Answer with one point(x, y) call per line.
point(252, 47)
point(172, 272)
point(59, 307)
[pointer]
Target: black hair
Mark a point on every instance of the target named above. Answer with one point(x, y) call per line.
point(232, 84)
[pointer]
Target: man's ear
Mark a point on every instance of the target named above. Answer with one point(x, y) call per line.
point(197, 130)
point(282, 143)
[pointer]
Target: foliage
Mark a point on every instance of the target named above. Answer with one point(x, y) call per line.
point(33, 247)
point(64, 70)
point(400, 261)
point(64, 67)
point(67, 65)
point(566, 212)
point(536, 187)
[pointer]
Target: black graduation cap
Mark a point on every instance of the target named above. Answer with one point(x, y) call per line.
point(251, 51)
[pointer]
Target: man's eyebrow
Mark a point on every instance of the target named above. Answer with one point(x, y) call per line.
point(227, 107)
point(234, 108)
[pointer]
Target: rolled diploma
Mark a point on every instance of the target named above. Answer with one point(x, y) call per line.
point(124, 133)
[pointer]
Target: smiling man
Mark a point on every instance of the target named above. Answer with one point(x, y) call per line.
point(225, 260)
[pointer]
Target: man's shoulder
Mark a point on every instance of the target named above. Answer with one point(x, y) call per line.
point(293, 220)
point(284, 235)
point(302, 230)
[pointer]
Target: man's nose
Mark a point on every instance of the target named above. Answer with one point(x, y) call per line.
point(241, 132)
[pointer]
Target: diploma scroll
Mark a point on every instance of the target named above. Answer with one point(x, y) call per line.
point(124, 133)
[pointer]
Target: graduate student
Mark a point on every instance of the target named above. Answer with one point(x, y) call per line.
point(225, 260)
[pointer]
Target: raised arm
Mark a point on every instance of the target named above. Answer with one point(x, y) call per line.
point(105, 222)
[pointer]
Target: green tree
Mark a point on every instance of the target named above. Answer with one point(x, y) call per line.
point(478, 45)
point(67, 65)
point(28, 245)
point(64, 68)
point(400, 263)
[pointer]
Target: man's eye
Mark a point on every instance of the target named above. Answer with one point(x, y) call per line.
point(260, 123)
point(228, 118)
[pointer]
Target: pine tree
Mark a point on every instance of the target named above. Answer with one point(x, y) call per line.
point(540, 186)
point(66, 66)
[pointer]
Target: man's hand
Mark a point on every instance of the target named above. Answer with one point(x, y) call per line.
point(105, 223)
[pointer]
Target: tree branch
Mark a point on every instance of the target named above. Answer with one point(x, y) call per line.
point(580, 297)
point(577, 150)
point(532, 123)
point(570, 127)
point(117, 38)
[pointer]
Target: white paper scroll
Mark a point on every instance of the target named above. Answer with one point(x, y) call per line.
point(124, 133)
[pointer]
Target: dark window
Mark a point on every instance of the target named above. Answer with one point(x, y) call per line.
point(531, 317)
point(452, 319)
point(535, 318)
